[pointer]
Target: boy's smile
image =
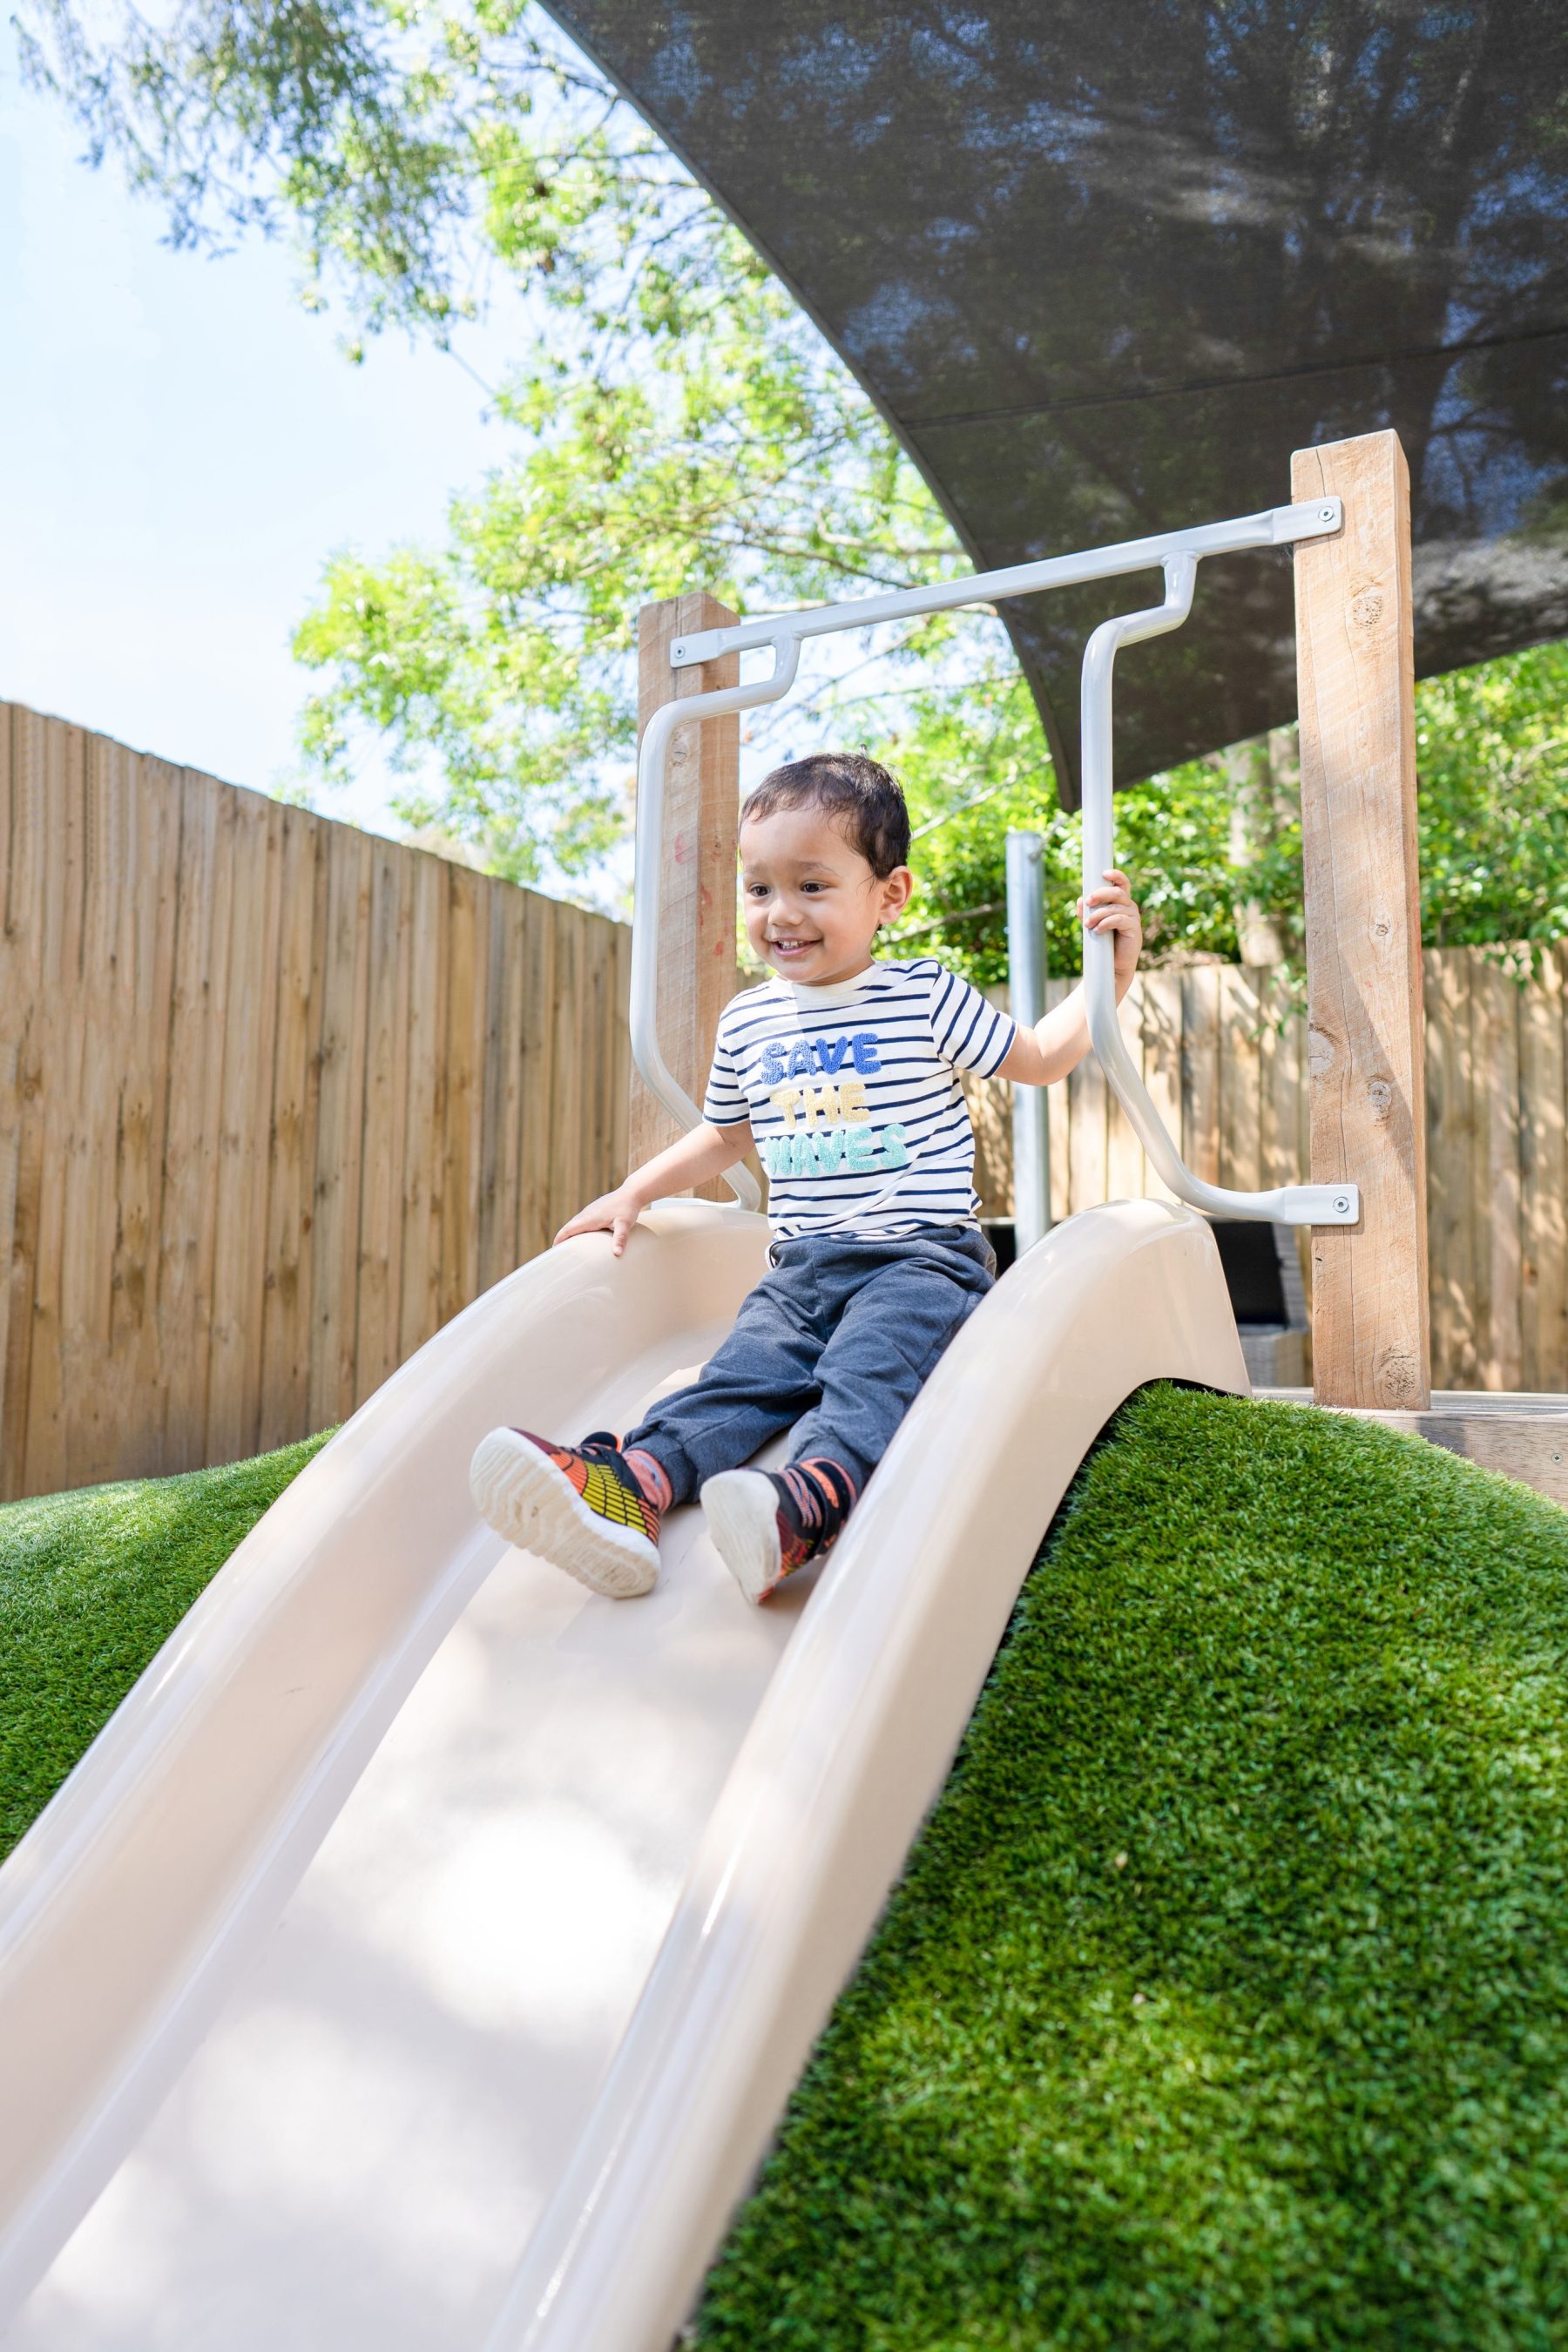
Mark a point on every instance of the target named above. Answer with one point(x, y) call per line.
point(812, 902)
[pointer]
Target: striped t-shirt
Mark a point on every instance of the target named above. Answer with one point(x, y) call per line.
point(853, 1095)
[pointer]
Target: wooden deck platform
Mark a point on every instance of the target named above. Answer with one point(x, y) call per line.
point(1523, 1434)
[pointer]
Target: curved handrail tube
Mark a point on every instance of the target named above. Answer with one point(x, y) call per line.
point(1290, 1205)
point(653, 756)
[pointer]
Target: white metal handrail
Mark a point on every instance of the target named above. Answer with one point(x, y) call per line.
point(653, 756)
point(1177, 554)
point(1290, 1205)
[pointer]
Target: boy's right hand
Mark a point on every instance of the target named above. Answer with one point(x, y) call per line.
point(614, 1214)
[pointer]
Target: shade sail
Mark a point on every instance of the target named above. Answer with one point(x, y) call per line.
point(1104, 266)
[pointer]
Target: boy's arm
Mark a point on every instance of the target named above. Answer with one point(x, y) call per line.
point(1039, 1056)
point(707, 1151)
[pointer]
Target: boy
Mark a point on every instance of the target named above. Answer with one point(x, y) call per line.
point(844, 1071)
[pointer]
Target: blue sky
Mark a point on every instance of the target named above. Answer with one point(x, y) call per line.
point(181, 445)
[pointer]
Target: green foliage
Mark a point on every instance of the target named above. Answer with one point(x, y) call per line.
point(1225, 2000)
point(91, 1586)
point(974, 767)
point(699, 434)
point(1492, 821)
point(1492, 755)
point(1492, 750)
point(360, 125)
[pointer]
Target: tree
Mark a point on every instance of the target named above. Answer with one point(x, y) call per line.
point(710, 441)
point(1491, 816)
point(670, 415)
point(976, 767)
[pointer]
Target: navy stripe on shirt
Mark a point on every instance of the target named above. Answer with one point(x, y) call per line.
point(870, 1133)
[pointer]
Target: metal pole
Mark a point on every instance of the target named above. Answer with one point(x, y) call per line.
point(1027, 980)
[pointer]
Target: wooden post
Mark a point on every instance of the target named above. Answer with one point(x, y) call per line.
point(1371, 1344)
point(697, 915)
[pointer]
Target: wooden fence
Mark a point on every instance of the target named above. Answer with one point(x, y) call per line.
point(1223, 1051)
point(277, 1098)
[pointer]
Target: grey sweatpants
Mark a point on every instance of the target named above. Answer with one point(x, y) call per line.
point(837, 1338)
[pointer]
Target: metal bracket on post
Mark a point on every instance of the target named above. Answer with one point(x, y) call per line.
point(1177, 554)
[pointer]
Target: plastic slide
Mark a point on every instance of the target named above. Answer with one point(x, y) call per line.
point(423, 1955)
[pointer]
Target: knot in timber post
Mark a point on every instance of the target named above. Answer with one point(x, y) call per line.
point(684, 746)
point(1398, 1382)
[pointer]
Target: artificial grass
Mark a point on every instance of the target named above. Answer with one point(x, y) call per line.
point(1224, 2000)
point(91, 1585)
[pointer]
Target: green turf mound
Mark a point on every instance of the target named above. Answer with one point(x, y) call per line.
point(91, 1586)
point(1225, 1998)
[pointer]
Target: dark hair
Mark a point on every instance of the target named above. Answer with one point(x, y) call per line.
point(865, 799)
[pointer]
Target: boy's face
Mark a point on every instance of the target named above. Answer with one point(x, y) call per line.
point(812, 901)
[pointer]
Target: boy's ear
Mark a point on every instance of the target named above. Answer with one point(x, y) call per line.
point(898, 889)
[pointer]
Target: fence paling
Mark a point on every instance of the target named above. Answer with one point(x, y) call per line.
point(1543, 1169)
point(276, 1099)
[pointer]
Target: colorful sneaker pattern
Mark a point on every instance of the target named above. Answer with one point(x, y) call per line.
point(766, 1524)
point(578, 1507)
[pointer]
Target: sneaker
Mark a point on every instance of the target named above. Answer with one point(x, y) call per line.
point(578, 1507)
point(766, 1524)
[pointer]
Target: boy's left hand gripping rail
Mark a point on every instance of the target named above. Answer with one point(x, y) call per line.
point(1177, 553)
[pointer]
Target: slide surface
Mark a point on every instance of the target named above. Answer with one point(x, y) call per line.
point(422, 1955)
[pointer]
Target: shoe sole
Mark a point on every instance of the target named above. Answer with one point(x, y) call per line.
point(521, 1493)
point(742, 1514)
